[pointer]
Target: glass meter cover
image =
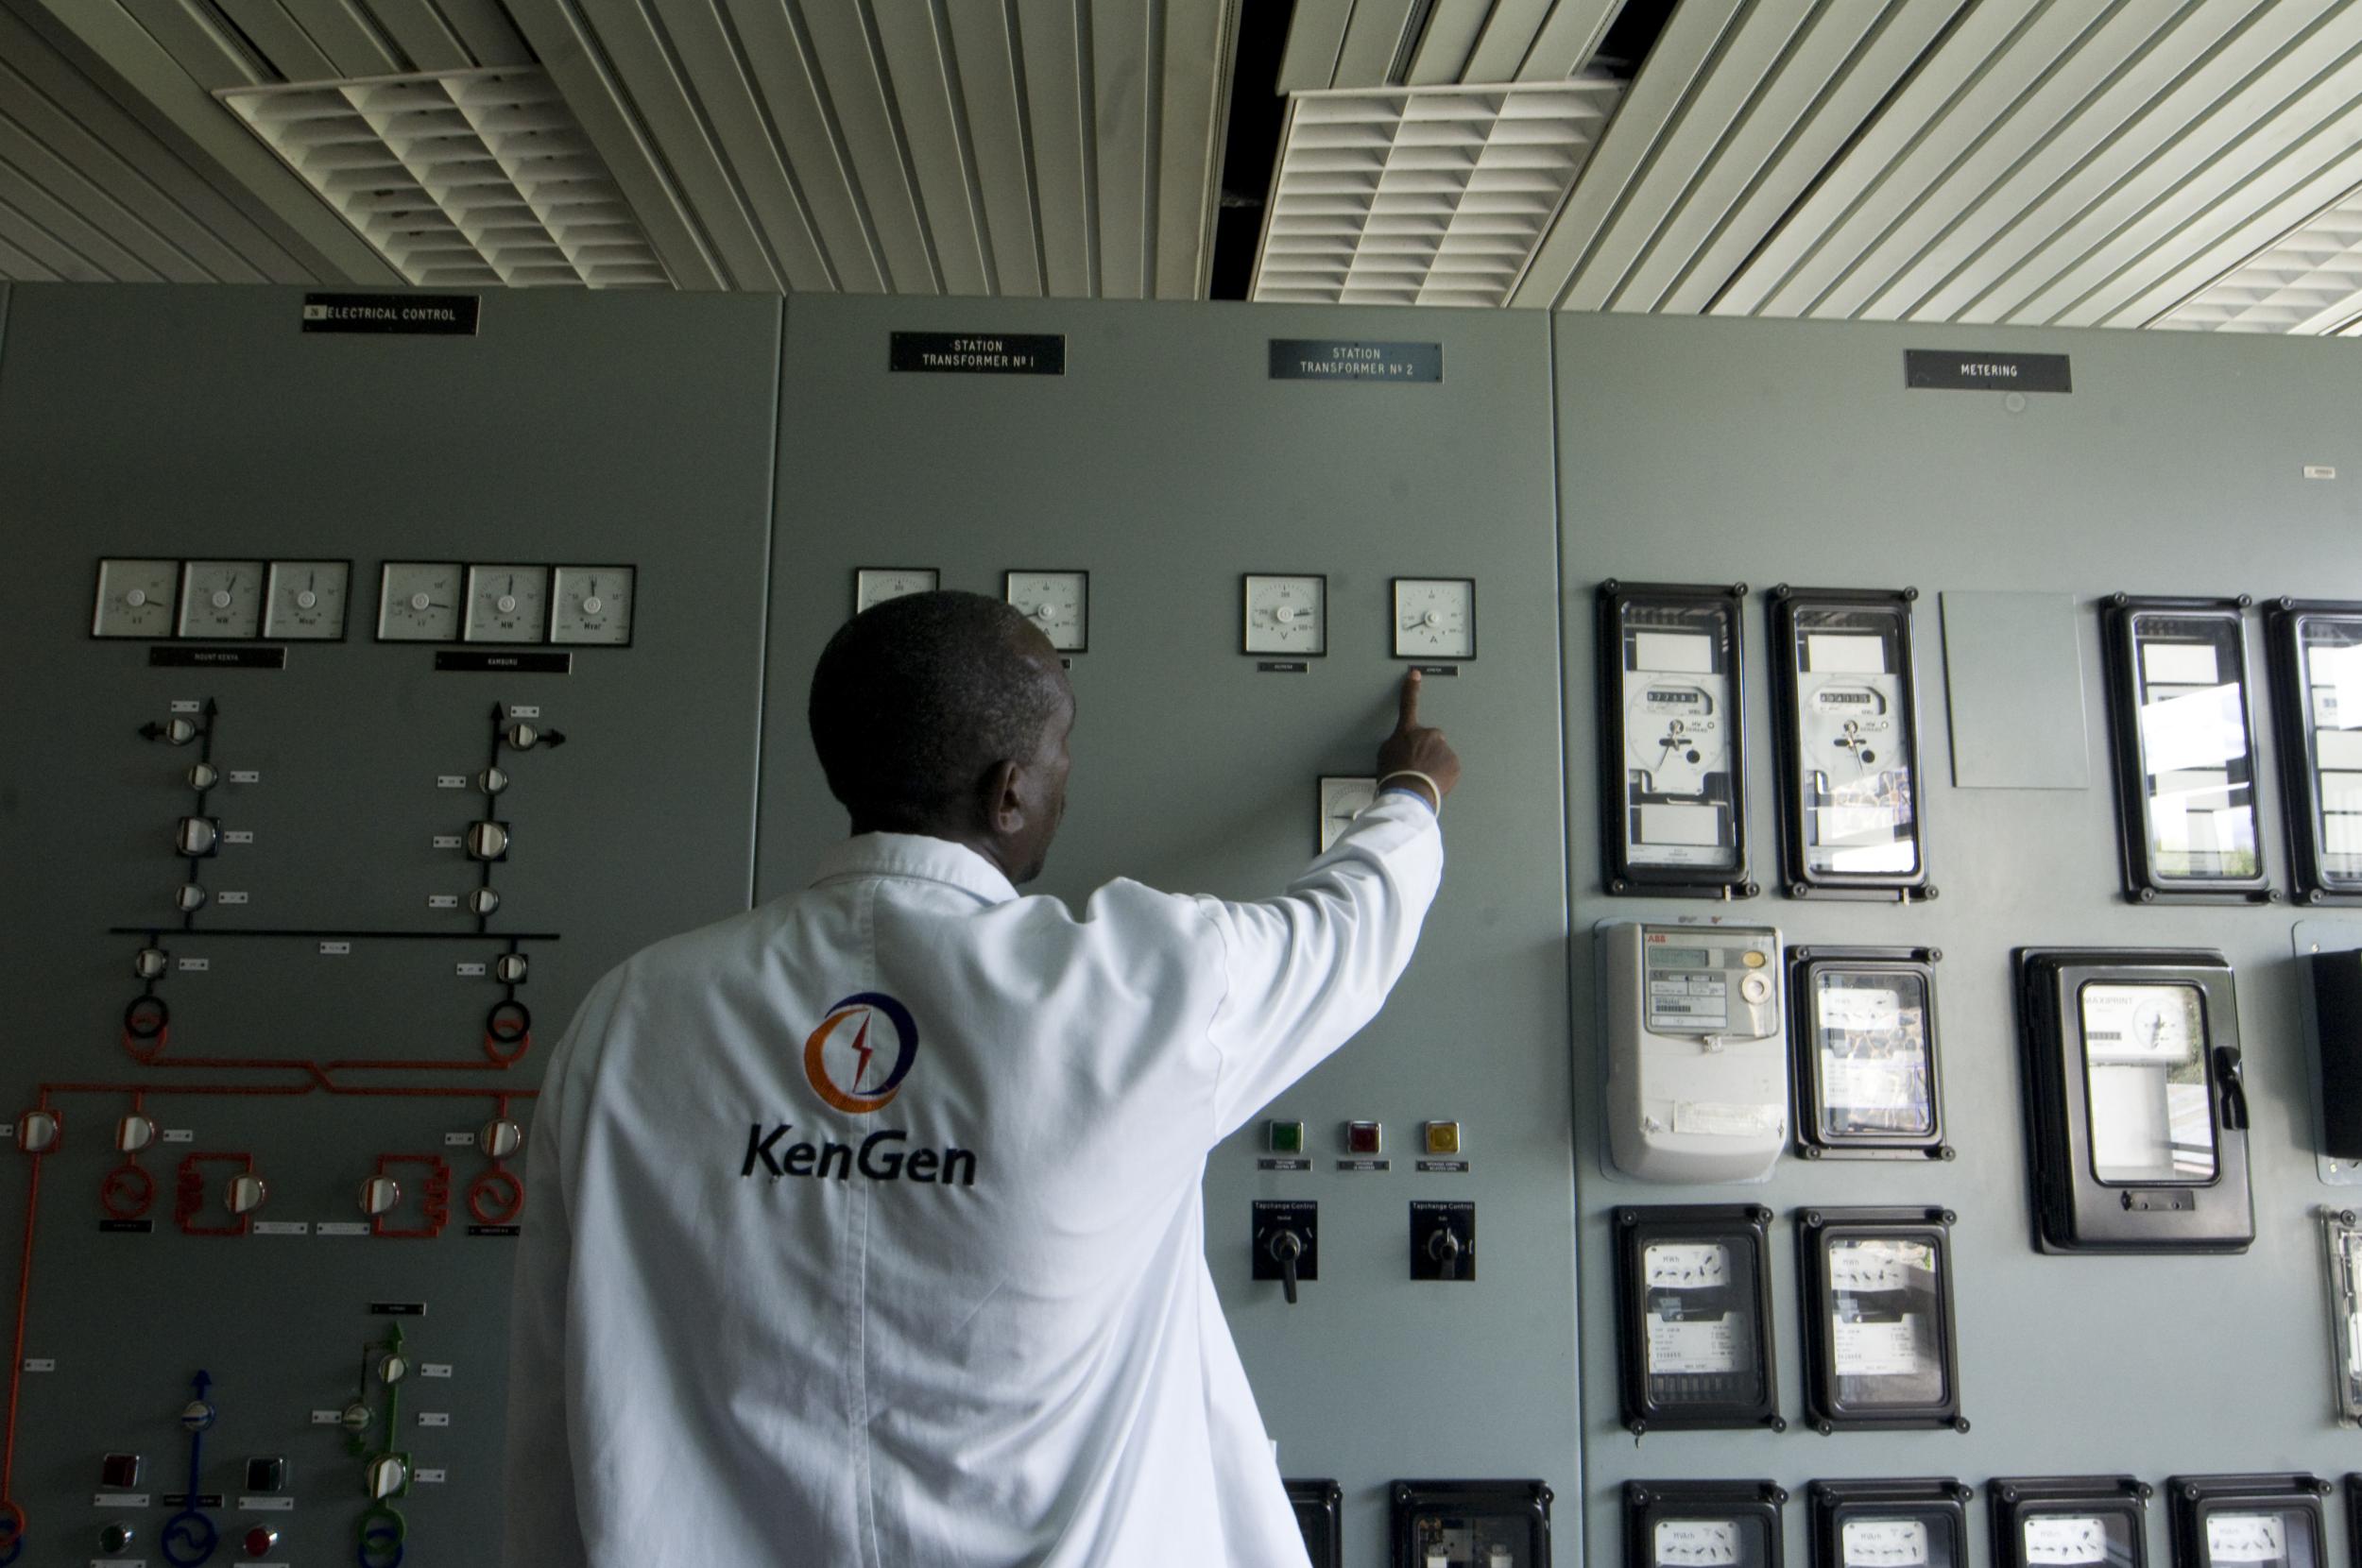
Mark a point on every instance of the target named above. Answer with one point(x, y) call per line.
point(1285, 615)
point(2069, 1521)
point(1702, 1523)
point(1694, 1318)
point(593, 604)
point(2341, 1247)
point(2316, 681)
point(2184, 750)
point(221, 599)
point(1059, 602)
point(875, 584)
point(1863, 1021)
point(1436, 618)
point(1852, 808)
point(1890, 1523)
point(2268, 1520)
point(305, 600)
point(420, 602)
point(2138, 1111)
point(1673, 776)
point(1340, 801)
point(508, 604)
point(1878, 1335)
point(1469, 1523)
point(136, 598)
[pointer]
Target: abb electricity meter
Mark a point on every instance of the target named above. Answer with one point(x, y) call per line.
point(1697, 1069)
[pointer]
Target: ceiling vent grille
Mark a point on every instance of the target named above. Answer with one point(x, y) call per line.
point(463, 179)
point(2307, 283)
point(1424, 197)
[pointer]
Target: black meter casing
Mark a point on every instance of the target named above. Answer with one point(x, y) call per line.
point(1469, 1520)
point(2337, 980)
point(1749, 1511)
point(2294, 1501)
point(2075, 1210)
point(1738, 1306)
point(2024, 1506)
point(1315, 1504)
point(1938, 1505)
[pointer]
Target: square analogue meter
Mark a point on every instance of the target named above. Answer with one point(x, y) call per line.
point(1673, 776)
point(1342, 799)
point(1287, 615)
point(875, 584)
point(592, 604)
point(1693, 1297)
point(421, 600)
point(2341, 1247)
point(1890, 1523)
point(508, 604)
point(2317, 679)
point(2268, 1520)
point(1436, 618)
point(1057, 603)
point(1481, 1523)
point(1863, 1024)
point(2137, 1112)
point(1852, 806)
point(304, 601)
point(1878, 1327)
point(221, 599)
point(1702, 1523)
point(2184, 750)
point(2069, 1520)
point(136, 598)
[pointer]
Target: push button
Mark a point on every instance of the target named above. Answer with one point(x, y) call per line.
point(116, 1539)
point(266, 1474)
point(1284, 1137)
point(260, 1539)
point(1364, 1137)
point(1443, 1137)
point(119, 1472)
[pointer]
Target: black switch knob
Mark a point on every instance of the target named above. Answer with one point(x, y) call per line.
point(1287, 1243)
point(1288, 1247)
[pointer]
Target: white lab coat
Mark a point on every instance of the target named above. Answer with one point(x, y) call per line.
point(1017, 1358)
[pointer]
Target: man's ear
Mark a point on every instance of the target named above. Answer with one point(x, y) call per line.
point(1005, 806)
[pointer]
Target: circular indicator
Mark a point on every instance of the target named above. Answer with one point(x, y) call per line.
point(495, 1197)
point(507, 1031)
point(126, 1192)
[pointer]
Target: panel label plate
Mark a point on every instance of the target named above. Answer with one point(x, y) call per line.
point(980, 354)
point(1975, 370)
point(1343, 359)
point(393, 315)
point(216, 658)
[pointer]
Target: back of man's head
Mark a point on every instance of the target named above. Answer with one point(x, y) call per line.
point(915, 700)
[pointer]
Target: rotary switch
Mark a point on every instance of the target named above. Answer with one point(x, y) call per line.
point(37, 1131)
point(523, 736)
point(380, 1195)
point(203, 777)
point(492, 781)
point(198, 1415)
point(487, 841)
point(500, 1139)
point(483, 901)
point(150, 962)
point(393, 1369)
point(179, 732)
point(388, 1475)
point(196, 836)
point(133, 1133)
point(246, 1194)
point(509, 968)
point(189, 898)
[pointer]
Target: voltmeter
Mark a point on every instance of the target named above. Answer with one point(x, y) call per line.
point(1697, 1075)
point(1702, 1523)
point(1057, 603)
point(1864, 1025)
point(1672, 760)
point(1285, 615)
point(1341, 799)
point(2184, 750)
point(1879, 1328)
point(135, 598)
point(2069, 1520)
point(1852, 802)
point(1890, 1523)
point(1693, 1314)
point(2137, 1112)
point(420, 602)
point(2316, 678)
point(2272, 1521)
point(1470, 1524)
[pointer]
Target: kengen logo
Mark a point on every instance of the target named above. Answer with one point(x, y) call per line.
point(852, 1062)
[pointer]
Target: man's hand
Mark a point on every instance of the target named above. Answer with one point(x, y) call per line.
point(1414, 748)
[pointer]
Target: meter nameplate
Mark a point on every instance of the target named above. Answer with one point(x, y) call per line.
point(1686, 1265)
point(1884, 1543)
point(2058, 1541)
point(1706, 1118)
point(1863, 1348)
point(1695, 1542)
point(1710, 983)
point(2246, 1538)
point(1683, 1346)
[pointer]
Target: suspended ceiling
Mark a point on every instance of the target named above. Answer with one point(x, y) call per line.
point(2102, 163)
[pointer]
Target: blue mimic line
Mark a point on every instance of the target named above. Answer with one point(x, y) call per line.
point(190, 1536)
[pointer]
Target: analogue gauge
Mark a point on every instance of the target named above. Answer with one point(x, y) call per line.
point(1696, 1543)
point(135, 598)
point(1434, 617)
point(2246, 1538)
point(1686, 1265)
point(1883, 1543)
point(875, 584)
point(1287, 615)
point(419, 602)
point(305, 600)
point(508, 604)
point(1057, 602)
point(221, 598)
point(2143, 1023)
point(593, 604)
point(2062, 1540)
point(1342, 800)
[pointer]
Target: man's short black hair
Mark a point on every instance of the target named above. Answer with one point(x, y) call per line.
point(915, 700)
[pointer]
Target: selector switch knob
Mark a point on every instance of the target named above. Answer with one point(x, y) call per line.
point(392, 1370)
point(189, 898)
point(355, 1416)
point(487, 841)
point(204, 775)
point(247, 1193)
point(197, 836)
point(133, 1133)
point(37, 1132)
point(483, 901)
point(501, 1138)
point(523, 736)
point(258, 1541)
point(149, 962)
point(197, 1415)
point(380, 1195)
point(180, 731)
point(492, 781)
point(388, 1475)
point(509, 968)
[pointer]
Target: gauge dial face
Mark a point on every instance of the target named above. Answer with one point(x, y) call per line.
point(1686, 1265)
point(1287, 615)
point(135, 598)
point(419, 602)
point(1058, 603)
point(508, 604)
point(1434, 617)
point(221, 598)
point(1696, 1543)
point(593, 604)
point(1884, 1543)
point(875, 584)
point(2246, 1538)
point(2062, 1540)
point(2159, 1024)
point(305, 600)
point(1342, 800)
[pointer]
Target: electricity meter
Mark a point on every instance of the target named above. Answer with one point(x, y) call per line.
point(1701, 1523)
point(2248, 1520)
point(1852, 808)
point(875, 584)
point(1672, 760)
point(2069, 1521)
point(2184, 750)
point(2138, 1111)
point(1470, 1524)
point(2317, 679)
point(1878, 1327)
point(1316, 1505)
point(1285, 615)
point(1696, 1070)
point(1693, 1301)
point(1058, 604)
point(1888, 1524)
point(2341, 1246)
point(1864, 1026)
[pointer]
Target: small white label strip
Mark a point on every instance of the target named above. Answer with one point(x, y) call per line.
point(267, 1505)
point(2320, 470)
point(41, 1363)
point(431, 1477)
point(434, 1417)
point(280, 1227)
point(244, 776)
point(446, 841)
point(187, 704)
point(470, 970)
point(451, 781)
point(127, 1562)
point(238, 835)
point(442, 900)
point(328, 1417)
point(335, 950)
point(180, 1134)
point(525, 710)
point(120, 1500)
point(344, 1227)
point(457, 1140)
point(195, 965)
point(434, 1369)
point(230, 897)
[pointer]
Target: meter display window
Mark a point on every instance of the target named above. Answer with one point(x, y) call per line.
point(1670, 744)
point(2185, 754)
point(2341, 1239)
point(2248, 1520)
point(1864, 1022)
point(2316, 668)
point(1898, 1524)
point(2069, 1521)
point(1701, 1523)
point(1851, 823)
point(1696, 1316)
point(1878, 1319)
point(2146, 1083)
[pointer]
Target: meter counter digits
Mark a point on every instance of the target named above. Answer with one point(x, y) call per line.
point(1697, 1071)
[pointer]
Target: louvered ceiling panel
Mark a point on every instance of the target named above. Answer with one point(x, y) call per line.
point(1366, 44)
point(2308, 281)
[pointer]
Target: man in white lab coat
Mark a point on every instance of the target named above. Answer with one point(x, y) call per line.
point(865, 1226)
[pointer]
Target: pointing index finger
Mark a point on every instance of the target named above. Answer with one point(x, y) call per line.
point(1411, 682)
